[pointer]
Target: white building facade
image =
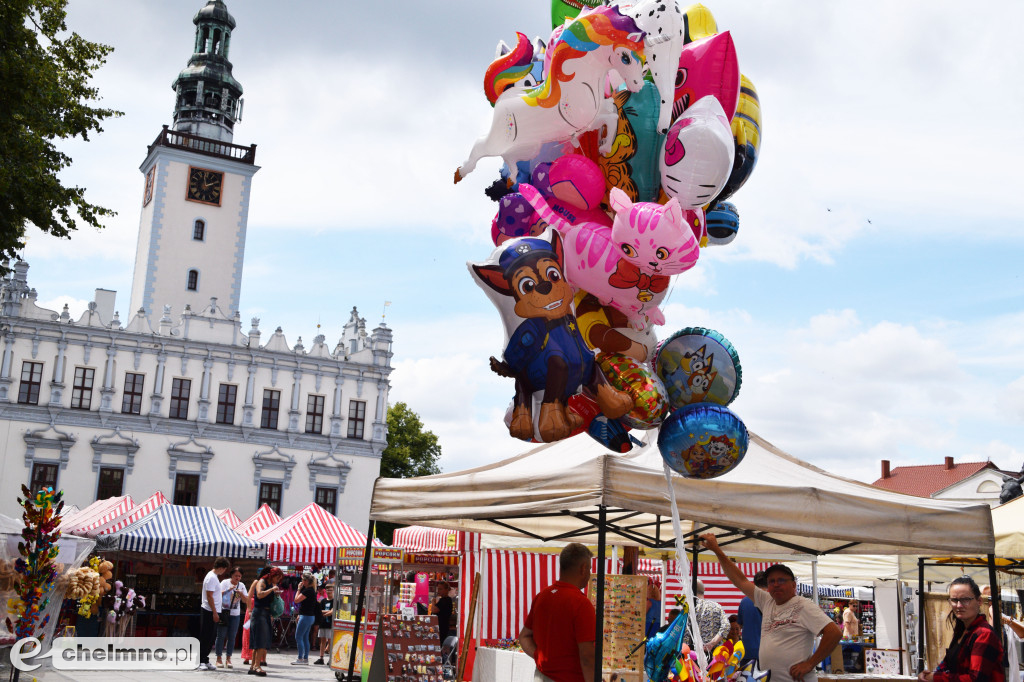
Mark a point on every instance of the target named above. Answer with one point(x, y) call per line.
point(181, 399)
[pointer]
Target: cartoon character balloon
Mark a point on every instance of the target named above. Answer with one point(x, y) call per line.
point(698, 154)
point(544, 353)
point(708, 67)
point(567, 103)
point(698, 365)
point(703, 440)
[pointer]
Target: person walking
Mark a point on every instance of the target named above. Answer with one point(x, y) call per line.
point(233, 593)
point(210, 611)
point(976, 652)
point(264, 590)
point(305, 597)
point(560, 628)
point(789, 624)
point(749, 618)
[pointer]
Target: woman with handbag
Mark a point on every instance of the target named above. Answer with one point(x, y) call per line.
point(266, 597)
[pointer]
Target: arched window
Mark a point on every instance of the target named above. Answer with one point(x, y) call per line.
point(193, 280)
point(199, 230)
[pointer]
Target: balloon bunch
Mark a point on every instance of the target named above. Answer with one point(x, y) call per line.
point(725, 662)
point(38, 550)
point(622, 135)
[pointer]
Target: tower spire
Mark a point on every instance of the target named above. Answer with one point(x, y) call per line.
point(208, 101)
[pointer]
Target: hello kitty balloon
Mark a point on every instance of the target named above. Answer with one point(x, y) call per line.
point(698, 154)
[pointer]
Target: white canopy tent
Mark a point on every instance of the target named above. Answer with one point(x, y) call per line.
point(771, 503)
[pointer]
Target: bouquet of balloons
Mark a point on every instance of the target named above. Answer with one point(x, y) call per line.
point(622, 134)
point(36, 566)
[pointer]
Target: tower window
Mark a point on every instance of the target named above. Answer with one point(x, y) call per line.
point(193, 280)
point(180, 390)
point(356, 418)
point(81, 394)
point(199, 231)
point(31, 378)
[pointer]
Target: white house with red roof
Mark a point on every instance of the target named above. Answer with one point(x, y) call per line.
point(963, 482)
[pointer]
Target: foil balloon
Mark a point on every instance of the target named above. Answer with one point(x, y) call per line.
point(746, 131)
point(544, 351)
point(642, 385)
point(515, 218)
point(703, 440)
point(708, 67)
point(573, 186)
point(595, 43)
point(631, 160)
point(629, 264)
point(562, 10)
point(606, 329)
point(698, 365)
point(698, 22)
point(723, 222)
point(662, 21)
point(664, 647)
point(698, 154)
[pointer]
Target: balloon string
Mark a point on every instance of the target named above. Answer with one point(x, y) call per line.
point(682, 561)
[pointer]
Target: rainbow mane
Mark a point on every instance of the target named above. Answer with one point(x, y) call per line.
point(589, 31)
point(508, 69)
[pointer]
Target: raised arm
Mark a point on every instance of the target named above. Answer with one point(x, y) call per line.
point(731, 570)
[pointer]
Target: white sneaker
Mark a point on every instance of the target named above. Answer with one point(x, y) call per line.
point(298, 661)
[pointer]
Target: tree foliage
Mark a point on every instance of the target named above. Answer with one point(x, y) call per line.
point(44, 96)
point(411, 451)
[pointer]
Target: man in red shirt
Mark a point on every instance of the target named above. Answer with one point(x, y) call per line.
point(559, 631)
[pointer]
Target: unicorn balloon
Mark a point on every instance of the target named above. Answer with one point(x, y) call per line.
point(571, 98)
point(662, 23)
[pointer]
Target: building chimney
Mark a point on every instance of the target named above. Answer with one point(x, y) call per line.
point(949, 463)
point(885, 469)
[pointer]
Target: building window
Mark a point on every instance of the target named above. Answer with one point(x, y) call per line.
point(131, 403)
point(31, 378)
point(199, 232)
point(327, 498)
point(111, 483)
point(186, 489)
point(193, 280)
point(81, 394)
point(226, 404)
point(270, 495)
point(271, 409)
point(315, 414)
point(180, 390)
point(356, 418)
point(44, 475)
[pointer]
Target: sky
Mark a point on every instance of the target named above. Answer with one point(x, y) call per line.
point(874, 292)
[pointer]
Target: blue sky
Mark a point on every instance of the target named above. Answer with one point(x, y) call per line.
point(902, 338)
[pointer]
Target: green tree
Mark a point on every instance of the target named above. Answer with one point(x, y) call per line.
point(44, 96)
point(411, 451)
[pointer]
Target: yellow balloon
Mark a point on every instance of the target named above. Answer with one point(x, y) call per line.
point(698, 22)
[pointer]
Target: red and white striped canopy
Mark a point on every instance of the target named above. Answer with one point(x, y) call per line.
point(716, 586)
point(130, 517)
point(311, 535)
point(96, 514)
point(262, 519)
point(229, 517)
point(423, 539)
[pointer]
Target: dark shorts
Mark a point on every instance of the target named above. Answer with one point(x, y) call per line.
point(259, 629)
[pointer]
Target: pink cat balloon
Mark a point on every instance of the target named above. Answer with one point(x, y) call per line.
point(627, 265)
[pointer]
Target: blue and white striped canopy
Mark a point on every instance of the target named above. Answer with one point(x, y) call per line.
point(185, 531)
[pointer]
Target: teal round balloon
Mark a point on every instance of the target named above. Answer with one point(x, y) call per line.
point(698, 365)
point(703, 440)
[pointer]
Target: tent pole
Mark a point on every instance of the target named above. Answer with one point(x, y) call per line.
point(362, 596)
point(920, 615)
point(814, 580)
point(997, 612)
point(599, 596)
point(695, 566)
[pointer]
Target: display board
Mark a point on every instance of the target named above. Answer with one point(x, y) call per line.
point(882, 661)
point(625, 606)
point(407, 650)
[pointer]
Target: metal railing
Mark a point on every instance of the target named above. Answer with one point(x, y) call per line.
point(196, 143)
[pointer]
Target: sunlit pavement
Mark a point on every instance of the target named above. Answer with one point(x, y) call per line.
point(278, 668)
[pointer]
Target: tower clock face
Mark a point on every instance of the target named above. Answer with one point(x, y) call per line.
point(204, 185)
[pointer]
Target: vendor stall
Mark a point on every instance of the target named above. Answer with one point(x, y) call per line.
point(771, 504)
point(262, 519)
point(131, 516)
point(97, 514)
point(310, 536)
point(229, 517)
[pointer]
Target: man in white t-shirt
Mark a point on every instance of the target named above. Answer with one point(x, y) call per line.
point(210, 611)
point(789, 623)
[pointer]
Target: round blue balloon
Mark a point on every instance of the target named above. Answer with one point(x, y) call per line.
point(723, 223)
point(698, 365)
point(703, 441)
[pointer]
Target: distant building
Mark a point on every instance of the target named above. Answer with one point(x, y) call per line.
point(964, 482)
point(181, 399)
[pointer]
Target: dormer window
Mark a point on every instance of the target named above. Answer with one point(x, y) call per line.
point(193, 280)
point(199, 230)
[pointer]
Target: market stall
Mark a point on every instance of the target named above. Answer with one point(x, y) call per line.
point(229, 517)
point(310, 536)
point(772, 503)
point(131, 516)
point(262, 519)
point(97, 514)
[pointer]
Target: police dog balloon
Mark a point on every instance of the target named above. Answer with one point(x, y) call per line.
point(544, 353)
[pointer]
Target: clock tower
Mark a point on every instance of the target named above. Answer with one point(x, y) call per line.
point(197, 183)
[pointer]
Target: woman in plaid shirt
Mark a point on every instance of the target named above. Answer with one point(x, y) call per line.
point(976, 653)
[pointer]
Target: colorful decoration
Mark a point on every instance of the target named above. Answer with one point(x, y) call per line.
point(746, 132)
point(544, 353)
point(698, 154)
point(703, 440)
point(36, 565)
point(698, 365)
point(725, 661)
point(662, 21)
point(642, 385)
point(663, 649)
point(708, 67)
point(564, 105)
point(723, 223)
